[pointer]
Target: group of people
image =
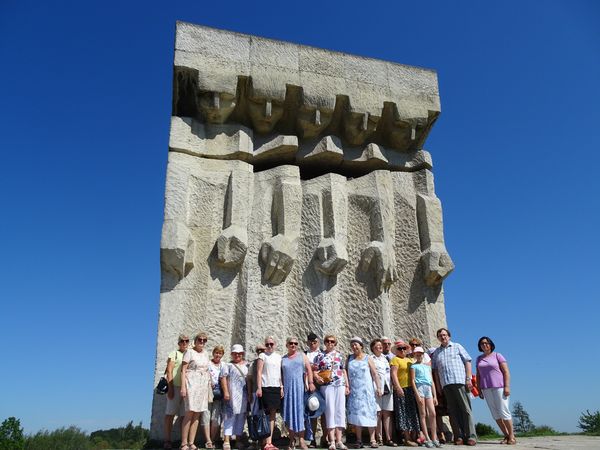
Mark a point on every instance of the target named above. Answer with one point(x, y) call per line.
point(399, 392)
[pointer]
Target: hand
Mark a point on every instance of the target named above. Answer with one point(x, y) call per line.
point(379, 392)
point(281, 391)
point(311, 387)
point(278, 255)
point(259, 392)
point(318, 379)
point(399, 391)
point(183, 393)
point(226, 397)
point(330, 256)
point(347, 390)
point(171, 392)
point(507, 391)
point(469, 385)
point(437, 265)
point(435, 402)
point(379, 259)
point(232, 245)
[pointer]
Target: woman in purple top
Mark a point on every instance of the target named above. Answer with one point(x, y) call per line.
point(493, 383)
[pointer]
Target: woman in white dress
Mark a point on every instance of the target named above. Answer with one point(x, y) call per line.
point(235, 396)
point(195, 386)
point(385, 402)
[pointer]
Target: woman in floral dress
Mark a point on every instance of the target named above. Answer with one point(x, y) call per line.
point(195, 385)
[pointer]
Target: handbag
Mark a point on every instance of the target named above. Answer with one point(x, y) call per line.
point(162, 387)
point(386, 389)
point(325, 376)
point(259, 426)
point(217, 393)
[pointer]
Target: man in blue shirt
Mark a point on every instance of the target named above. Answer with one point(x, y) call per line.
point(451, 366)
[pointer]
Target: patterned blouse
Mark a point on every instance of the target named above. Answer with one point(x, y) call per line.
point(333, 361)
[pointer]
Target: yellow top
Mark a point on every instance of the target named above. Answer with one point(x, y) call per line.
point(403, 365)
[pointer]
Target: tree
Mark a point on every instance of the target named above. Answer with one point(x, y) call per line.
point(11, 435)
point(521, 421)
point(590, 422)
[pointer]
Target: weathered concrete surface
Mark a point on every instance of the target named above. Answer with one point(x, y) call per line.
point(546, 442)
point(298, 197)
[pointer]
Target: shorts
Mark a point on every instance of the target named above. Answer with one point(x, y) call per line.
point(425, 390)
point(213, 414)
point(175, 405)
point(497, 403)
point(271, 398)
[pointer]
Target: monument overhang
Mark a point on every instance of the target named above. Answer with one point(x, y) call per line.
point(275, 87)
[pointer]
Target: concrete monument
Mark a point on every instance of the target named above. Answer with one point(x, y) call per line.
point(298, 196)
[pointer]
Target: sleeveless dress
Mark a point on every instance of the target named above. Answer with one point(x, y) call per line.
point(197, 380)
point(362, 407)
point(293, 391)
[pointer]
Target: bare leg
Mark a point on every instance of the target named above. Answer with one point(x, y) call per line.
point(331, 436)
point(272, 421)
point(509, 428)
point(422, 416)
point(358, 430)
point(206, 428)
point(387, 425)
point(193, 427)
point(168, 427)
point(502, 427)
point(430, 408)
point(292, 436)
point(214, 431)
point(338, 436)
point(303, 445)
point(185, 427)
point(379, 426)
point(372, 435)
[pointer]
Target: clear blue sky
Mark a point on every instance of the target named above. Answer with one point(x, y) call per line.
point(85, 96)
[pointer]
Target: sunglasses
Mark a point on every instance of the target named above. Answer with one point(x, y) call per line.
point(292, 343)
point(401, 348)
point(185, 341)
point(413, 344)
point(329, 341)
point(270, 344)
point(202, 340)
point(387, 343)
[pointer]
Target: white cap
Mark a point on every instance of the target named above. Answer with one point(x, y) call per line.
point(237, 348)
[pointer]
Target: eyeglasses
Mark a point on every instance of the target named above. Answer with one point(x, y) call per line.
point(401, 348)
point(329, 341)
point(387, 343)
point(269, 344)
point(237, 353)
point(292, 343)
point(313, 341)
point(186, 341)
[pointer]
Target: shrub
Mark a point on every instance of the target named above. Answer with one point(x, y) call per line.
point(71, 438)
point(483, 429)
point(590, 422)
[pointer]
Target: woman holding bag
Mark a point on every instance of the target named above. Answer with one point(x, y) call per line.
point(332, 377)
point(385, 402)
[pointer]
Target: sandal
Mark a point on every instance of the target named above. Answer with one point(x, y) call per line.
point(184, 447)
point(226, 446)
point(391, 444)
point(192, 447)
point(167, 445)
point(331, 447)
point(209, 444)
point(512, 441)
point(358, 444)
point(340, 446)
point(374, 444)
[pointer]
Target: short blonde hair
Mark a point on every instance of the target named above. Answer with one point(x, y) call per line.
point(269, 337)
point(218, 349)
point(290, 339)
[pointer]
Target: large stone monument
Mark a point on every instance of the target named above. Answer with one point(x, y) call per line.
point(298, 196)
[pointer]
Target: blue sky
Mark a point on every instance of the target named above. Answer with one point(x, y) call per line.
point(85, 95)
